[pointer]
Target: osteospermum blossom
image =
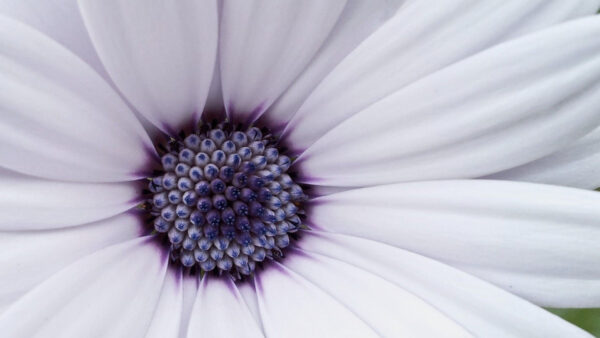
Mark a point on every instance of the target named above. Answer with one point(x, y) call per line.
point(293, 168)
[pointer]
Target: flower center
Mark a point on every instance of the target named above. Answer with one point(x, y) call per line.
point(225, 201)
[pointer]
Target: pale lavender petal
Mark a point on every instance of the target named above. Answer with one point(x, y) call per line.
point(390, 310)
point(248, 292)
point(481, 308)
point(506, 107)
point(160, 54)
point(577, 165)
point(61, 21)
point(167, 315)
point(220, 311)
point(111, 293)
point(27, 258)
point(290, 306)
point(356, 22)
point(538, 241)
point(30, 203)
point(58, 118)
point(190, 290)
point(265, 45)
point(418, 41)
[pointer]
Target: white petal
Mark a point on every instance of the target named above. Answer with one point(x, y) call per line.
point(420, 40)
point(388, 309)
point(496, 110)
point(61, 20)
point(214, 101)
point(58, 19)
point(321, 190)
point(190, 290)
point(167, 316)
point(111, 293)
point(483, 309)
point(29, 203)
point(160, 54)
point(264, 45)
point(58, 118)
point(290, 306)
point(248, 292)
point(358, 19)
point(220, 311)
point(493, 229)
point(577, 165)
point(29, 257)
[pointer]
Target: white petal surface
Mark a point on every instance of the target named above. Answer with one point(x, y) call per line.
point(496, 110)
point(190, 290)
point(391, 311)
point(290, 306)
point(58, 19)
point(483, 309)
point(167, 315)
point(248, 292)
point(111, 293)
point(160, 54)
point(220, 311)
point(418, 41)
point(358, 19)
point(214, 101)
point(58, 118)
point(29, 203)
point(30, 257)
point(319, 190)
point(264, 45)
point(493, 229)
point(61, 20)
point(577, 165)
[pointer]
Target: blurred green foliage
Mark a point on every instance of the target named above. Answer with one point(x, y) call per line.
point(587, 319)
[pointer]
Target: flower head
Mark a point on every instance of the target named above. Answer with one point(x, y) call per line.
point(225, 200)
point(294, 168)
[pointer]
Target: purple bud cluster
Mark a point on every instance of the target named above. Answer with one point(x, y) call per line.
point(225, 200)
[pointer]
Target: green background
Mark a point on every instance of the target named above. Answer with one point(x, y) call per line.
point(587, 319)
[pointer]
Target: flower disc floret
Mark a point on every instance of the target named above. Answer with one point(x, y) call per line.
point(225, 200)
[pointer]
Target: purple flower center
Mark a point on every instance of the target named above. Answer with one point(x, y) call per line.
point(225, 201)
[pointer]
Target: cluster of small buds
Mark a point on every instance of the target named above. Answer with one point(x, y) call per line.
point(225, 200)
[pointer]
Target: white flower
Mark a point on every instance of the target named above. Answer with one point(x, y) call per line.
point(392, 107)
